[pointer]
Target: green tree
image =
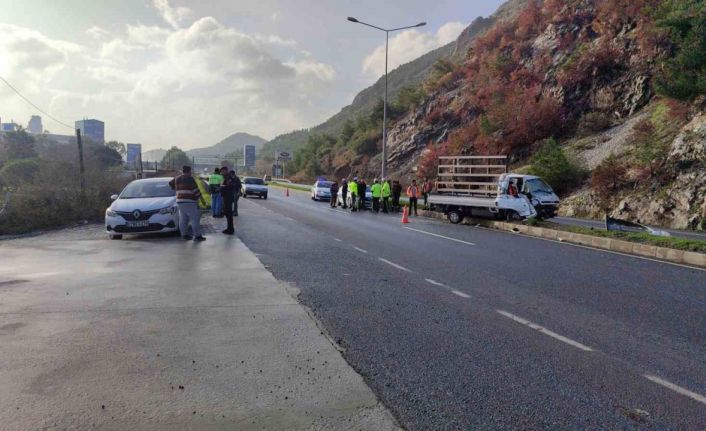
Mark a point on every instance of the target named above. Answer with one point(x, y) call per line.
point(409, 97)
point(683, 76)
point(19, 171)
point(347, 132)
point(175, 159)
point(554, 167)
point(18, 145)
point(117, 146)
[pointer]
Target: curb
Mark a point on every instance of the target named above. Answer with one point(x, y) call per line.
point(635, 248)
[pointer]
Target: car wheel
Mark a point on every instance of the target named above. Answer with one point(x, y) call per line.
point(511, 215)
point(455, 216)
point(116, 237)
point(265, 197)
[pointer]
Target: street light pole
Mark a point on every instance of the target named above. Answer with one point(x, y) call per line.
point(383, 170)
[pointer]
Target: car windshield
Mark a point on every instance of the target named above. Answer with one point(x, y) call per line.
point(538, 185)
point(323, 185)
point(254, 181)
point(147, 189)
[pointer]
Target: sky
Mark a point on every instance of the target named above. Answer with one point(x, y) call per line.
point(190, 73)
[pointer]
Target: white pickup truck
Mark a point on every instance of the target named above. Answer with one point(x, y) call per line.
point(480, 186)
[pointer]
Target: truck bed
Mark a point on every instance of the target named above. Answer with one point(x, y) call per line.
point(462, 201)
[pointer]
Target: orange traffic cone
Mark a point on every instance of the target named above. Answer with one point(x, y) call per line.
point(405, 216)
point(287, 192)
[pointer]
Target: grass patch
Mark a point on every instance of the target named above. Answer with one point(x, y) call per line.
point(290, 186)
point(672, 242)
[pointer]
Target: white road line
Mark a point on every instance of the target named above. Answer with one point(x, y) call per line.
point(461, 294)
point(439, 236)
point(675, 388)
point(545, 331)
point(339, 240)
point(400, 267)
point(361, 250)
point(435, 283)
point(290, 219)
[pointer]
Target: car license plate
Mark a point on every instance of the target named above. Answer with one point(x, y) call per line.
point(142, 223)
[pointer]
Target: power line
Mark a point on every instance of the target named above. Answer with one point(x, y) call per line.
point(35, 106)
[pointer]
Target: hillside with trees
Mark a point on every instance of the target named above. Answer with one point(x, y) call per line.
point(604, 98)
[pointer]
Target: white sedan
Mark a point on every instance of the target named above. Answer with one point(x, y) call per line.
point(321, 190)
point(144, 206)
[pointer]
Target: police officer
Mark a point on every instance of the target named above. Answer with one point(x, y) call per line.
point(376, 190)
point(344, 192)
point(386, 191)
point(353, 190)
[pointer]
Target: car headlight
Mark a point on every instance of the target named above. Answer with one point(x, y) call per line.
point(110, 213)
point(168, 210)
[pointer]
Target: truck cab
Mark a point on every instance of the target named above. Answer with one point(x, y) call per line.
point(541, 194)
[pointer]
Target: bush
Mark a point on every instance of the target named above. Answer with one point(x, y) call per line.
point(556, 168)
point(17, 172)
point(608, 178)
point(592, 123)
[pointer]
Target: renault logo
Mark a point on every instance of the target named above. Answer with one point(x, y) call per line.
point(136, 214)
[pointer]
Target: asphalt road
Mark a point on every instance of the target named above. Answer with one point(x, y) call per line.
point(455, 327)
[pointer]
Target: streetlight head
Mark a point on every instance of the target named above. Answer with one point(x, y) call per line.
point(351, 19)
point(421, 24)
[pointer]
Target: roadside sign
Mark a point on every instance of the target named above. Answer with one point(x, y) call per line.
point(284, 155)
point(249, 156)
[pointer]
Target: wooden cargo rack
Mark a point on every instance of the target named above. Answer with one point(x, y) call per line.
point(470, 175)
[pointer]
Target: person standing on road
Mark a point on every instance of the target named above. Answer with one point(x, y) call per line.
point(413, 195)
point(228, 196)
point(353, 190)
point(427, 187)
point(362, 193)
point(386, 190)
point(334, 194)
point(188, 196)
point(376, 190)
point(344, 192)
point(214, 182)
point(396, 193)
point(237, 187)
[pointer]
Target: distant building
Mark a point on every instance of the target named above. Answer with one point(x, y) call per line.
point(92, 129)
point(9, 127)
point(249, 156)
point(35, 125)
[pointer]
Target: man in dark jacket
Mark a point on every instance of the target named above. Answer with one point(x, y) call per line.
point(396, 193)
point(227, 194)
point(344, 192)
point(362, 186)
point(237, 187)
point(334, 193)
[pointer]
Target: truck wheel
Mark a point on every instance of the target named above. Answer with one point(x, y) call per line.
point(455, 217)
point(511, 215)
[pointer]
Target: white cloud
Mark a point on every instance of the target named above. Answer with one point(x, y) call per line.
point(409, 45)
point(183, 84)
point(173, 16)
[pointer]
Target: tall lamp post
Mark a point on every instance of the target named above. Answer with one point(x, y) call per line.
point(384, 109)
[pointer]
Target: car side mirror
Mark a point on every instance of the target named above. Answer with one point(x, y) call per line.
point(113, 197)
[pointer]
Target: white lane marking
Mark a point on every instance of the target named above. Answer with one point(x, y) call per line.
point(599, 250)
point(339, 240)
point(439, 236)
point(290, 219)
point(545, 331)
point(435, 283)
point(461, 294)
point(361, 250)
point(400, 267)
point(675, 388)
point(44, 274)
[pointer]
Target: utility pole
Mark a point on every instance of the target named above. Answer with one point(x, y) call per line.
point(81, 168)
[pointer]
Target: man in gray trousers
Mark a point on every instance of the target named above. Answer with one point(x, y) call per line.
point(188, 197)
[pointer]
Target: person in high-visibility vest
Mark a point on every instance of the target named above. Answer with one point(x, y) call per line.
point(386, 192)
point(376, 190)
point(214, 181)
point(353, 190)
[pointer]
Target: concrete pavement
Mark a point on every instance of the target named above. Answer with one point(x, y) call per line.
point(156, 333)
point(462, 328)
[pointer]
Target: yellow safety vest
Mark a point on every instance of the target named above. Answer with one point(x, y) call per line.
point(353, 187)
